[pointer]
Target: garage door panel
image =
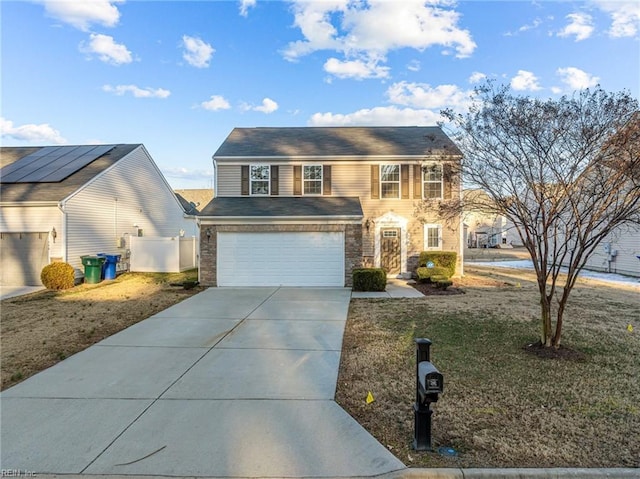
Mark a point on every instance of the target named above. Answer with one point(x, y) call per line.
point(22, 257)
point(285, 258)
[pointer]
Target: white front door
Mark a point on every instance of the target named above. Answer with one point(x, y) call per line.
point(280, 258)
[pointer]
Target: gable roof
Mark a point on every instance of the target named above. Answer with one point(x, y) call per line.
point(299, 142)
point(59, 190)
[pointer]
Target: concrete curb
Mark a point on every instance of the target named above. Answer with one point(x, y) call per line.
point(515, 473)
point(414, 473)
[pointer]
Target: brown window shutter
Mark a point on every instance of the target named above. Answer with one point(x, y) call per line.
point(375, 181)
point(297, 180)
point(326, 180)
point(244, 180)
point(447, 179)
point(274, 180)
point(417, 181)
point(404, 182)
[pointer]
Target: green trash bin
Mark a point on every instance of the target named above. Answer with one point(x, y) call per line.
point(92, 268)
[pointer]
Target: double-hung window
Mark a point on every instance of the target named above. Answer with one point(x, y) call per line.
point(390, 181)
point(432, 182)
point(432, 237)
point(312, 179)
point(259, 177)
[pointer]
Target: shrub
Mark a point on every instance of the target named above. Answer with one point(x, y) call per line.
point(369, 279)
point(58, 276)
point(443, 283)
point(427, 274)
point(443, 259)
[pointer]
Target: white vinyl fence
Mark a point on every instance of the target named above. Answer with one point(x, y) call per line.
point(163, 255)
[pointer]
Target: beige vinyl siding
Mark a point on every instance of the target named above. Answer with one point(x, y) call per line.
point(34, 219)
point(132, 192)
point(228, 182)
point(355, 180)
point(627, 245)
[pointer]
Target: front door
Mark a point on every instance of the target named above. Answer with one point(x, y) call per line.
point(390, 250)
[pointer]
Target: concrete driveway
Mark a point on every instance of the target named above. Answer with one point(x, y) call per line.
point(233, 382)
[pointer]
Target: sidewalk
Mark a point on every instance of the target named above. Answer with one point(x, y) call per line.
point(396, 288)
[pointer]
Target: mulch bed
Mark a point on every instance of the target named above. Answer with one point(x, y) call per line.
point(429, 289)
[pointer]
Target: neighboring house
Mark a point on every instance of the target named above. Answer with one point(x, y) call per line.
point(618, 253)
point(58, 203)
point(193, 201)
point(305, 206)
point(483, 229)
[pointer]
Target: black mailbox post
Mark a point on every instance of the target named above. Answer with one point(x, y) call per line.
point(429, 384)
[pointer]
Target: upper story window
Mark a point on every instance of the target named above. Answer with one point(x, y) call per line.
point(432, 181)
point(312, 179)
point(389, 181)
point(259, 178)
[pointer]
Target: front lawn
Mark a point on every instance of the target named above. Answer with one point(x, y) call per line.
point(503, 406)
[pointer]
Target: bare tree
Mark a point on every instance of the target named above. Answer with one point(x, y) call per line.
point(565, 173)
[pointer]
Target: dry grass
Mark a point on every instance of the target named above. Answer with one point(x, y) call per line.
point(41, 329)
point(502, 406)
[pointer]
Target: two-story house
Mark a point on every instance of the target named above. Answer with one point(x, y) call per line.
point(305, 206)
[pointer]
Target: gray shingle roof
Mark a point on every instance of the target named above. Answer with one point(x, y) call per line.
point(273, 206)
point(337, 141)
point(30, 192)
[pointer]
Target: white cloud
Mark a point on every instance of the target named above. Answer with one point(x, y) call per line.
point(577, 79)
point(423, 95)
point(187, 174)
point(357, 69)
point(625, 17)
point(268, 106)
point(137, 92)
point(366, 30)
point(381, 116)
point(31, 133)
point(81, 14)
point(477, 77)
point(107, 49)
point(580, 25)
point(525, 80)
point(197, 52)
point(245, 5)
point(215, 103)
point(414, 66)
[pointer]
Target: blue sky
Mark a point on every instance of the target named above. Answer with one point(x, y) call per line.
point(178, 76)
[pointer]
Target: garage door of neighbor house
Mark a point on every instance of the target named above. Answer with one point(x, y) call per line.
point(22, 257)
point(283, 258)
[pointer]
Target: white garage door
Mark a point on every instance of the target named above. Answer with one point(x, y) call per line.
point(22, 257)
point(287, 259)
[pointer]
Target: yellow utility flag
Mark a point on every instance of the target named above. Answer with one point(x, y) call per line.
point(630, 328)
point(370, 398)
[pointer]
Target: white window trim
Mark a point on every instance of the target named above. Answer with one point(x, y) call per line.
point(424, 182)
point(321, 181)
point(426, 237)
point(268, 180)
point(399, 183)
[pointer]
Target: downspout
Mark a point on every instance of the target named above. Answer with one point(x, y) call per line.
point(63, 233)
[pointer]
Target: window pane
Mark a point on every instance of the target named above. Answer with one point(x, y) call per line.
point(390, 190)
point(259, 187)
point(433, 237)
point(432, 173)
point(313, 172)
point(433, 190)
point(390, 173)
point(312, 187)
point(260, 172)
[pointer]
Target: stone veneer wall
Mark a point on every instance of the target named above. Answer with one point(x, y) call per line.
point(208, 246)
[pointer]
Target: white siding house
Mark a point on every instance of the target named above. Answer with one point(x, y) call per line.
point(93, 210)
point(618, 253)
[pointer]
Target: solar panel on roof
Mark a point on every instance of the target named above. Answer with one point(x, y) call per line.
point(52, 164)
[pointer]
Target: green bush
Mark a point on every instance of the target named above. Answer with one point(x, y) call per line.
point(58, 276)
point(430, 274)
point(443, 283)
point(443, 259)
point(369, 279)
